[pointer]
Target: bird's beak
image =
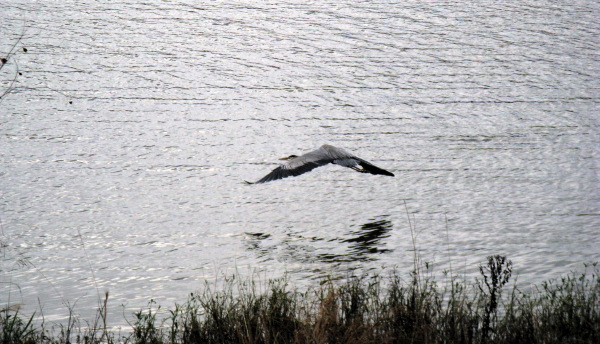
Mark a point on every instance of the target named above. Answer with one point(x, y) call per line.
point(286, 158)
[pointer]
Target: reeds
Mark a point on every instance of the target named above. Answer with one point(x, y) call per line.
point(366, 309)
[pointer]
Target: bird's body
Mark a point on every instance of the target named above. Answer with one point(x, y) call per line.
point(326, 154)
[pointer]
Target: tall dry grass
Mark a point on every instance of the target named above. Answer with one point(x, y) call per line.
point(367, 309)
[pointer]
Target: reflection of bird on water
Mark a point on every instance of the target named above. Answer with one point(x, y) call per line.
point(364, 243)
point(297, 165)
point(369, 237)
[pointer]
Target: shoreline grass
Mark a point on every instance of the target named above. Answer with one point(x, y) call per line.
point(366, 309)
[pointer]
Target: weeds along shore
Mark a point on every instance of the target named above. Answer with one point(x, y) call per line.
point(367, 309)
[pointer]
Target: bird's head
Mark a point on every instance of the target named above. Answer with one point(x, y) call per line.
point(289, 157)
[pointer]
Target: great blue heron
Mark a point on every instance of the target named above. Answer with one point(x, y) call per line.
point(297, 165)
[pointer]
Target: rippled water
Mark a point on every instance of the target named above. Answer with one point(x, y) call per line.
point(128, 135)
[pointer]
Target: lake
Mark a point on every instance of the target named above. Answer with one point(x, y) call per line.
point(127, 138)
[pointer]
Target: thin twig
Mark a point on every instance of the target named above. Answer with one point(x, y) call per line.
point(5, 61)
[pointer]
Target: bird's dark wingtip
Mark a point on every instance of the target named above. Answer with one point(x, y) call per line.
point(248, 183)
point(370, 168)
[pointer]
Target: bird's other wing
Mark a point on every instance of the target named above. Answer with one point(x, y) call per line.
point(297, 166)
point(344, 158)
point(370, 168)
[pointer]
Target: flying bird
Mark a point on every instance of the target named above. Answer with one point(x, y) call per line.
point(297, 165)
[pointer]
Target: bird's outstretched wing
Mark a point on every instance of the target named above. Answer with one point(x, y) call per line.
point(372, 169)
point(344, 158)
point(297, 166)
